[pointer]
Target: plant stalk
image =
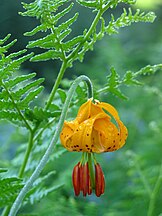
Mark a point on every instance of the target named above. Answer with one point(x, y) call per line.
point(27, 154)
point(16, 205)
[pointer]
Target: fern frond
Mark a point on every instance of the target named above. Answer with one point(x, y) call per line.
point(130, 78)
point(39, 193)
point(56, 42)
point(95, 4)
point(126, 19)
point(89, 4)
point(51, 54)
point(40, 115)
point(113, 84)
point(17, 92)
point(9, 189)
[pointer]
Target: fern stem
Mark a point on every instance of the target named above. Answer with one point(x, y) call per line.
point(6, 211)
point(56, 85)
point(43, 161)
point(27, 154)
point(90, 31)
point(62, 50)
point(16, 107)
point(155, 193)
point(88, 34)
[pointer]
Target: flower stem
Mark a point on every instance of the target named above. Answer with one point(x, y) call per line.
point(155, 193)
point(91, 170)
point(16, 205)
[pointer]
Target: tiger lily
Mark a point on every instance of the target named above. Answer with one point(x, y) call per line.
point(92, 131)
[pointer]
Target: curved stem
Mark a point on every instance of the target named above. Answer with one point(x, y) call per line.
point(43, 161)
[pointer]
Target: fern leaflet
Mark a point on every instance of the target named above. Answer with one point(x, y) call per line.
point(17, 91)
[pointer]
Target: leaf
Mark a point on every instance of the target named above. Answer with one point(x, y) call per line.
point(113, 84)
point(40, 193)
point(3, 170)
point(129, 79)
point(149, 69)
point(90, 4)
point(30, 97)
point(16, 80)
point(69, 45)
point(9, 189)
point(62, 95)
point(40, 115)
point(17, 91)
point(126, 19)
point(51, 54)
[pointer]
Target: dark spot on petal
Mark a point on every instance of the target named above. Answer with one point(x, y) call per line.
point(87, 134)
point(86, 145)
point(114, 146)
point(109, 148)
point(80, 149)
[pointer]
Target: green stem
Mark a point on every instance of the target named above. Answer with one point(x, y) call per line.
point(16, 205)
point(91, 169)
point(88, 34)
point(22, 168)
point(68, 59)
point(6, 211)
point(56, 85)
point(155, 193)
point(27, 154)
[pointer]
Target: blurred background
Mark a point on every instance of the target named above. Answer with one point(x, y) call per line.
point(130, 173)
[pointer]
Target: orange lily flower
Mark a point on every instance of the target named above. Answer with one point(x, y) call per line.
point(96, 129)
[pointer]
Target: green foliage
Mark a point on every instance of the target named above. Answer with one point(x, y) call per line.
point(9, 189)
point(56, 42)
point(126, 19)
point(40, 190)
point(3, 170)
point(114, 82)
point(53, 39)
point(17, 92)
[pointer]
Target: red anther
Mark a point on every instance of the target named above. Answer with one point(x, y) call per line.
point(76, 179)
point(81, 177)
point(89, 186)
point(99, 180)
point(85, 174)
